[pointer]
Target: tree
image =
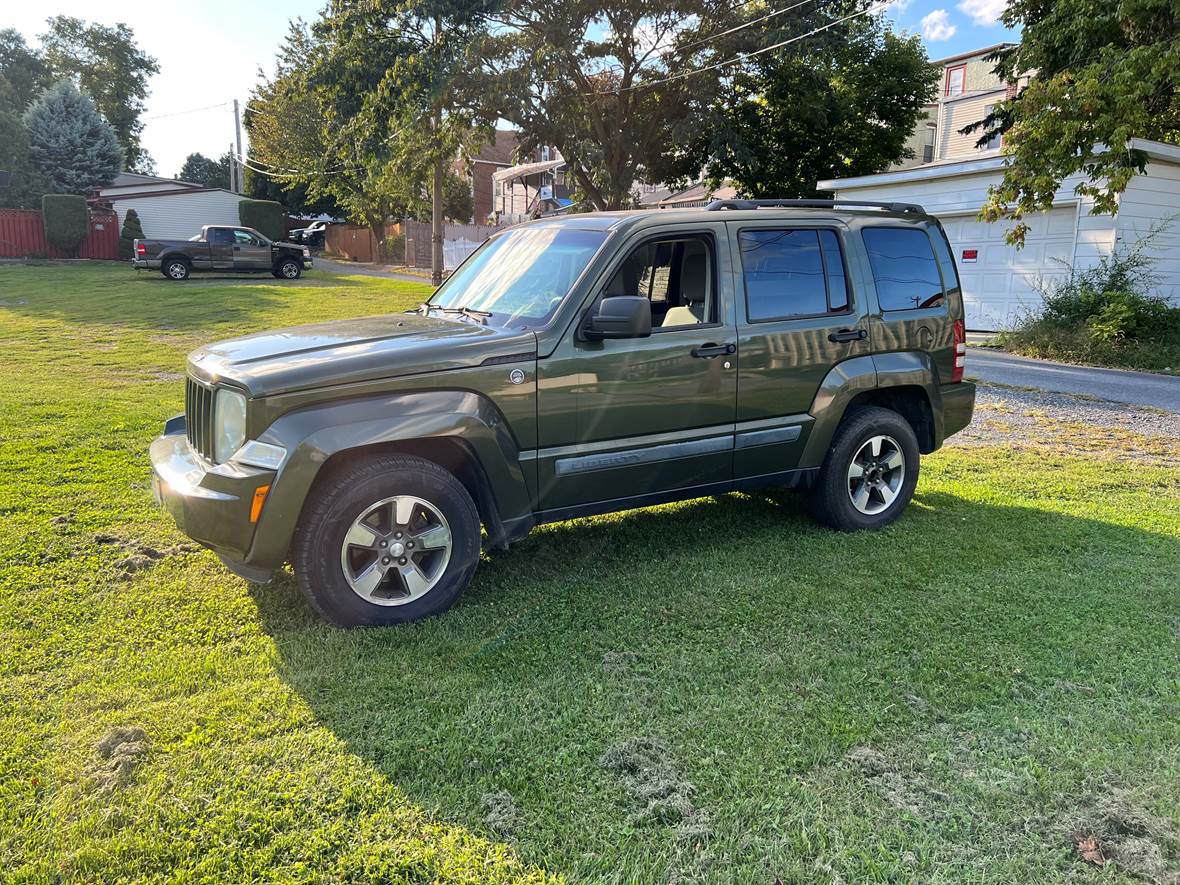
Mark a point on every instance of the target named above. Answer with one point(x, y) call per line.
point(1102, 74)
point(106, 64)
point(132, 230)
point(842, 102)
point(201, 170)
point(69, 141)
point(598, 80)
point(25, 70)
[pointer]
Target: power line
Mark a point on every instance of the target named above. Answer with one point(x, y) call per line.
point(208, 107)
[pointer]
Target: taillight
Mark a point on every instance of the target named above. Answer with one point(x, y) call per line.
point(140, 249)
point(960, 334)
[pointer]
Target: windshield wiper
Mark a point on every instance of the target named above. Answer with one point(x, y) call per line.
point(470, 312)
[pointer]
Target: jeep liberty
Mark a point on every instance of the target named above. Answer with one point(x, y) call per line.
point(570, 366)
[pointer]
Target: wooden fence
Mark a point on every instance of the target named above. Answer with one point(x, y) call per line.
point(357, 243)
point(22, 235)
point(459, 241)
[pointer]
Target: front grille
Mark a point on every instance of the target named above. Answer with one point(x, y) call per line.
point(198, 416)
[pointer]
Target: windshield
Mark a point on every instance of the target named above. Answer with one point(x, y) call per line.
point(520, 275)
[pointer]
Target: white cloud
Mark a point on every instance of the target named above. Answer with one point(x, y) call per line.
point(937, 26)
point(894, 6)
point(984, 13)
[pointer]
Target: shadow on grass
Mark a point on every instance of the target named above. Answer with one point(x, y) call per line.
point(754, 645)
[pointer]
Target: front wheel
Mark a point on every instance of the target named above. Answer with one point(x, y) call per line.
point(288, 269)
point(389, 540)
point(870, 472)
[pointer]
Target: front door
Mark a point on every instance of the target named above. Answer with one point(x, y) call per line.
point(799, 315)
point(633, 418)
point(250, 252)
point(221, 248)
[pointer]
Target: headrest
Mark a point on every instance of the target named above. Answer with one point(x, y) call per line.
point(694, 279)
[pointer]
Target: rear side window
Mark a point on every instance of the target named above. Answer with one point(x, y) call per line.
point(904, 268)
point(792, 273)
point(220, 236)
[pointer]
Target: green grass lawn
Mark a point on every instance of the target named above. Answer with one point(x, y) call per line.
point(711, 691)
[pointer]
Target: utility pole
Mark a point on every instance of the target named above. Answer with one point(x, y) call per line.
point(436, 197)
point(241, 177)
point(233, 169)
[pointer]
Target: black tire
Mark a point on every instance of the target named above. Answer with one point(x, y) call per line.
point(176, 269)
point(831, 499)
point(288, 269)
point(345, 496)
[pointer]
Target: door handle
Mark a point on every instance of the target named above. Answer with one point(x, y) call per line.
point(848, 335)
point(708, 351)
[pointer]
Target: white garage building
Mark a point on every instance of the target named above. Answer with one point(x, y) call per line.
point(998, 279)
point(169, 208)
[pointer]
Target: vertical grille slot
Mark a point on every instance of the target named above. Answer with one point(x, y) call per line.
point(198, 411)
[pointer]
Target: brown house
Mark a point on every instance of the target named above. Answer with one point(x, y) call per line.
point(498, 154)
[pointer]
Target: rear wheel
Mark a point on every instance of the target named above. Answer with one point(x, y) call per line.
point(175, 269)
point(288, 269)
point(390, 540)
point(870, 472)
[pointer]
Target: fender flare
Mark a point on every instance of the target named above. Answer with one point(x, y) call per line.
point(315, 434)
point(863, 374)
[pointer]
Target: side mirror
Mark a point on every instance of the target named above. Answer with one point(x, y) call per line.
point(620, 316)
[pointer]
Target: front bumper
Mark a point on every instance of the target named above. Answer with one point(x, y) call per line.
point(307, 262)
point(211, 503)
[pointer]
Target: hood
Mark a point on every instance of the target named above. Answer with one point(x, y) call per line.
point(348, 351)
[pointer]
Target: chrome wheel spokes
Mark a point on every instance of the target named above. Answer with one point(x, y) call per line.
point(876, 474)
point(396, 550)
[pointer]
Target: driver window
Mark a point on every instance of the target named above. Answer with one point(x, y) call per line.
point(245, 239)
point(676, 275)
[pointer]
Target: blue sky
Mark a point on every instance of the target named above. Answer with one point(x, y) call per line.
point(210, 52)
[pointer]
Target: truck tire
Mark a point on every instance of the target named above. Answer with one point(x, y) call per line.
point(175, 268)
point(288, 269)
point(387, 540)
point(870, 472)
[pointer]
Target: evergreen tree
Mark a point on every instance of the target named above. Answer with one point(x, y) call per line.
point(70, 142)
point(132, 230)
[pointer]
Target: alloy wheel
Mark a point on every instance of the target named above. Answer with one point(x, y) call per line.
point(396, 551)
point(876, 475)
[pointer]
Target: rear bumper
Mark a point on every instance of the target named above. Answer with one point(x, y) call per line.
point(145, 263)
point(210, 503)
point(958, 405)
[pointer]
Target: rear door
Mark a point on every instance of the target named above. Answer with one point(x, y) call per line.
point(220, 241)
point(799, 315)
point(251, 252)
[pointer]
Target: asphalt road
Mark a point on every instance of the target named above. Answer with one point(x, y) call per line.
point(1136, 388)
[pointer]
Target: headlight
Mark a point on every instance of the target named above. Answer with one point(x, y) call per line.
point(306, 251)
point(229, 423)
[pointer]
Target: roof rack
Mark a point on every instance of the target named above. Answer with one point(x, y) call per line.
point(812, 204)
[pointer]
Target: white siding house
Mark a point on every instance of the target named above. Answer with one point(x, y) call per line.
point(999, 281)
point(176, 212)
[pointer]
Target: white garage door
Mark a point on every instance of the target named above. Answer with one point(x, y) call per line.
point(999, 280)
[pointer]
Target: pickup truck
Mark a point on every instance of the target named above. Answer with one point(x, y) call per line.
point(221, 248)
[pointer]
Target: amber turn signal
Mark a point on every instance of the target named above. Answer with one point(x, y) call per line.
point(259, 500)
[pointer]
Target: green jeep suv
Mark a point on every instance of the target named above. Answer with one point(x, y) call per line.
point(576, 365)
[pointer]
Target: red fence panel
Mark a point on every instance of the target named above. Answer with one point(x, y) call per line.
point(22, 234)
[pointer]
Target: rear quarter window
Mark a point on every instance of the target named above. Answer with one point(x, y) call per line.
point(905, 270)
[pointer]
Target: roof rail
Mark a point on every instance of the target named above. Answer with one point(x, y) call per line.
point(812, 204)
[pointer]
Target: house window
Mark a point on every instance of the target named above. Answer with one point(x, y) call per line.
point(928, 146)
point(545, 154)
point(792, 273)
point(956, 80)
point(994, 142)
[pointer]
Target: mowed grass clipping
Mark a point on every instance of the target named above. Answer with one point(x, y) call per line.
point(711, 691)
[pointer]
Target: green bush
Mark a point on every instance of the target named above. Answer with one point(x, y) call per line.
point(265, 216)
point(132, 230)
point(1103, 316)
point(66, 221)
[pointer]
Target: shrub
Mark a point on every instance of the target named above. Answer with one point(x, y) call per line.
point(265, 216)
point(132, 230)
point(1103, 315)
point(66, 221)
